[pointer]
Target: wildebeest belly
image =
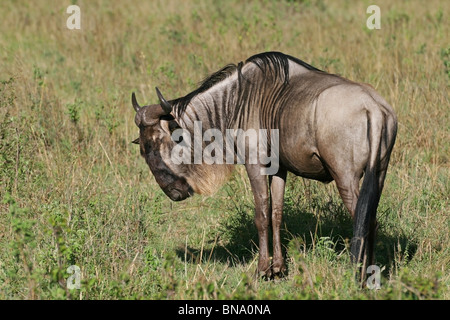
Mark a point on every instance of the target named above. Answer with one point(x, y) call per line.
point(304, 164)
point(297, 145)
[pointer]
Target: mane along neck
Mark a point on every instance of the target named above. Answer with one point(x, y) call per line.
point(223, 100)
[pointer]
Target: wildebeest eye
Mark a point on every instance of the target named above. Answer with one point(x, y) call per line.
point(167, 117)
point(135, 141)
point(173, 125)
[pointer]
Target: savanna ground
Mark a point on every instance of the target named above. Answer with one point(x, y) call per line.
point(75, 191)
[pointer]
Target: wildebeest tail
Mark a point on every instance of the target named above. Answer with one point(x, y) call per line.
point(369, 195)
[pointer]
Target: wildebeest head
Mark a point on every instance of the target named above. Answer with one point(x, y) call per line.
point(155, 124)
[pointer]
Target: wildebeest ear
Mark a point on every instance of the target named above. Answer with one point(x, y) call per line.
point(135, 141)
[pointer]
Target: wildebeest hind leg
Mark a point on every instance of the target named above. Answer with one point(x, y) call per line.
point(348, 187)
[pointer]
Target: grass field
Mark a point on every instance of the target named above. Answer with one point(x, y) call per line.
point(75, 191)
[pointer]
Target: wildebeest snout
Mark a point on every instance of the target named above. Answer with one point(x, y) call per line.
point(178, 190)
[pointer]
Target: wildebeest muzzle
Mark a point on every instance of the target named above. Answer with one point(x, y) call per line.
point(178, 190)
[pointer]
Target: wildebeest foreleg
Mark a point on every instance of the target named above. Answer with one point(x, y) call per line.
point(262, 218)
point(277, 184)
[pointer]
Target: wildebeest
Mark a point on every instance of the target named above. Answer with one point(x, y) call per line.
point(329, 128)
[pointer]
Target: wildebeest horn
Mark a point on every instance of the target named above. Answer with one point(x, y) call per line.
point(164, 104)
point(136, 105)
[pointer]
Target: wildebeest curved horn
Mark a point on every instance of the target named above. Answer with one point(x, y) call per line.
point(136, 105)
point(164, 104)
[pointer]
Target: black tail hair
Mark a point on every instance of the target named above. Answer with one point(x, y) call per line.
point(365, 214)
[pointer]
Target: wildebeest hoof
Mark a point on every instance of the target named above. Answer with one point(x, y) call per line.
point(266, 275)
point(279, 272)
point(273, 273)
